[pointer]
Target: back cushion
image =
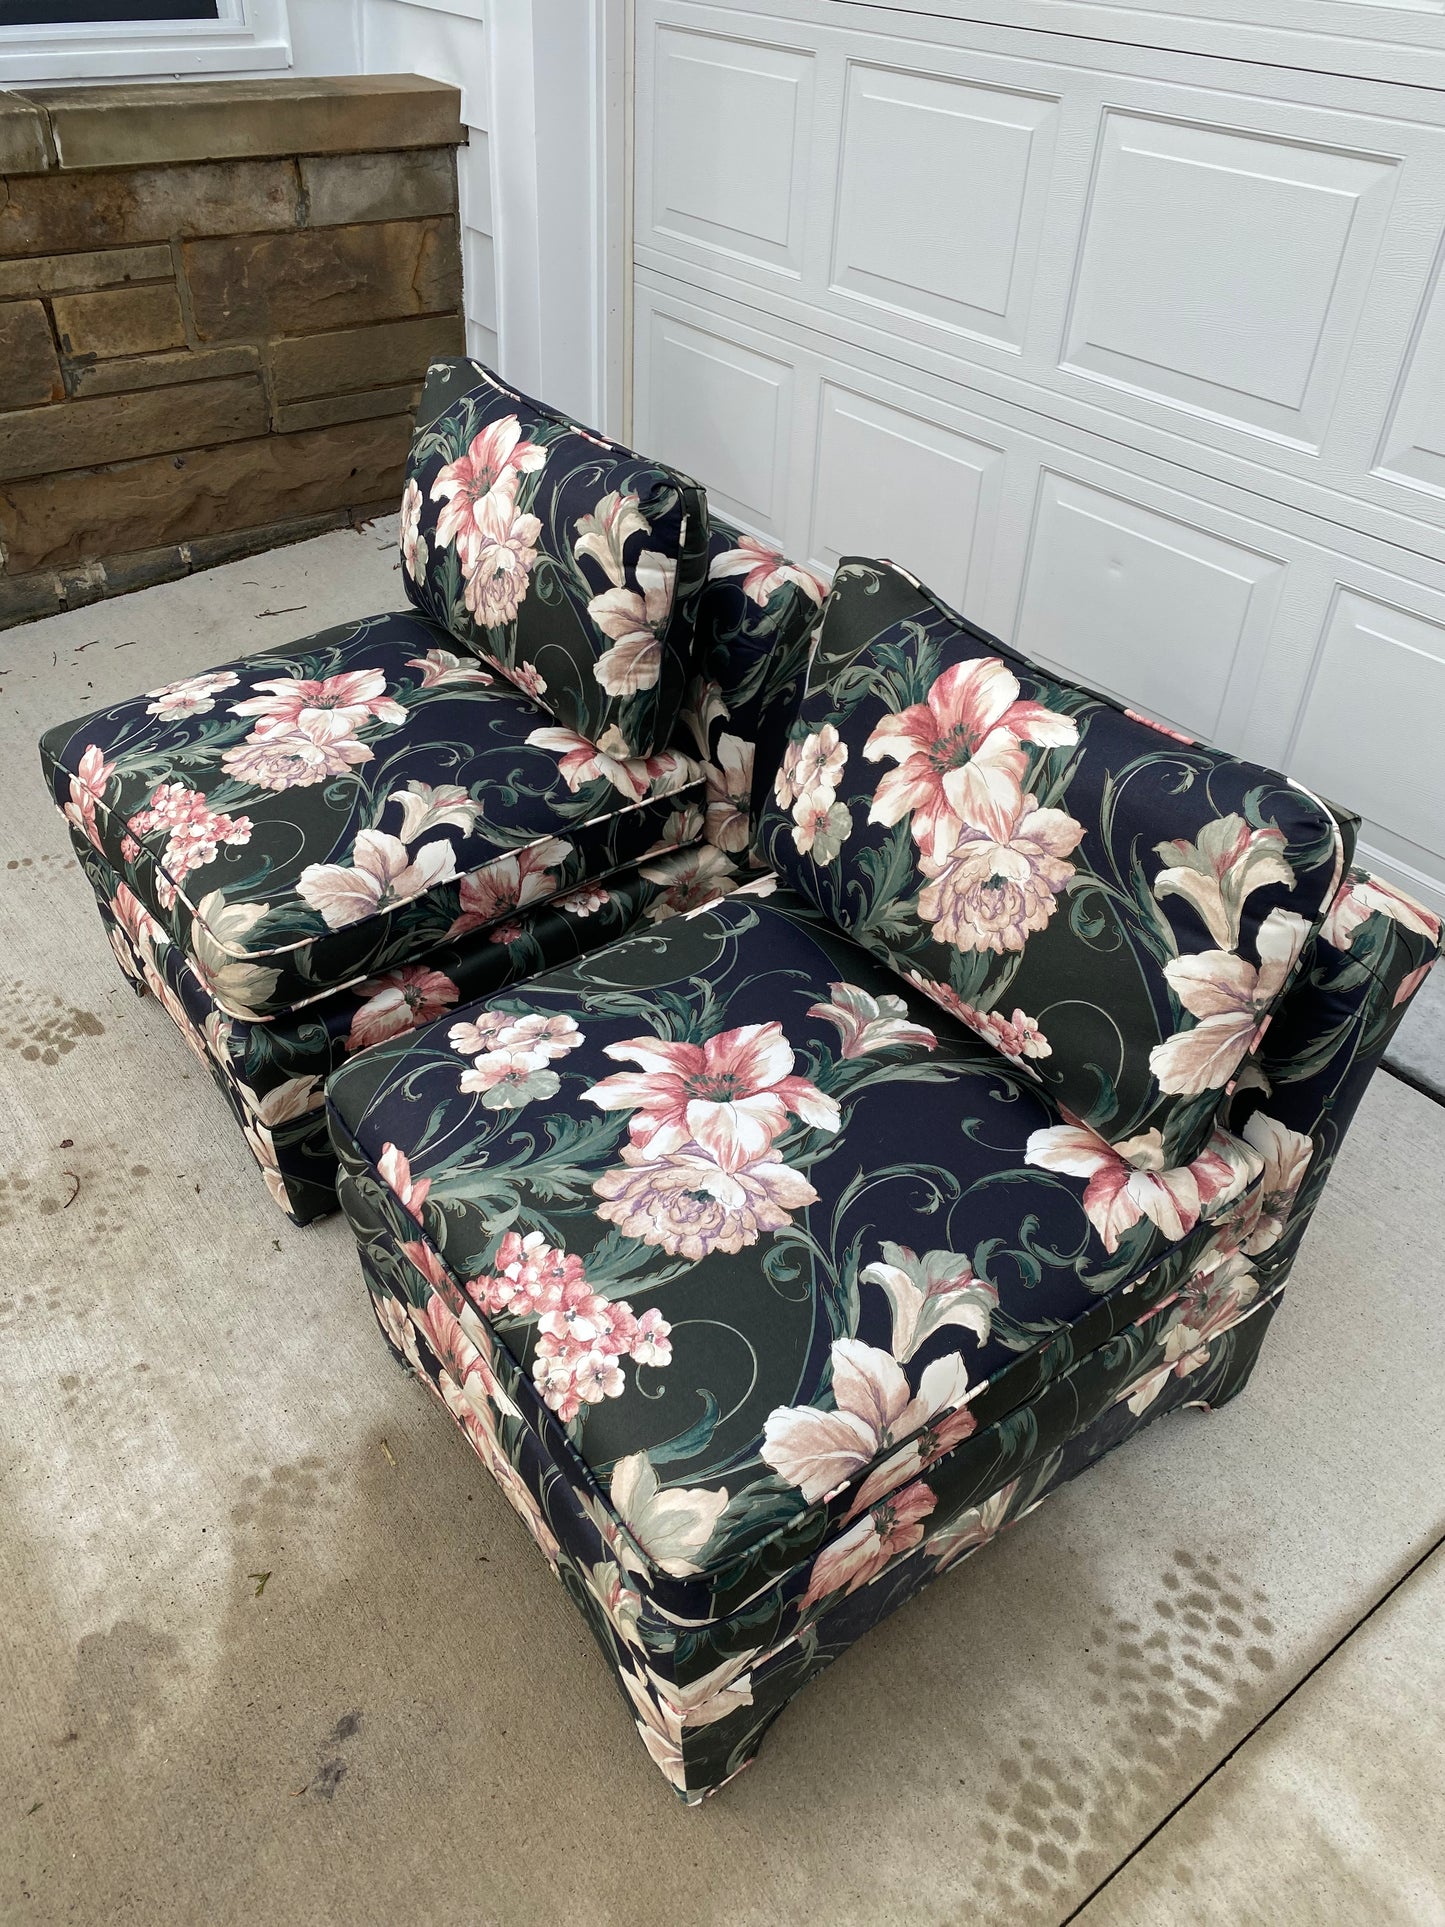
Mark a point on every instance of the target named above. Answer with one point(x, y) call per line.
point(1107, 902)
point(756, 618)
point(571, 565)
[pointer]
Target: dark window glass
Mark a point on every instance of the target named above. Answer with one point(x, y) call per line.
point(65, 13)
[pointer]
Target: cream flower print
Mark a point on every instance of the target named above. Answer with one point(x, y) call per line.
point(1359, 897)
point(1217, 872)
point(992, 891)
point(87, 790)
point(729, 795)
point(874, 1408)
point(354, 698)
point(671, 1523)
point(1286, 1155)
point(218, 942)
point(690, 879)
point(394, 1169)
point(811, 766)
point(426, 806)
point(884, 1533)
point(498, 560)
point(413, 542)
point(731, 1096)
point(191, 696)
point(382, 874)
point(439, 666)
point(278, 755)
point(1018, 1037)
point(634, 619)
point(634, 777)
point(960, 755)
point(1130, 1181)
point(512, 1056)
point(973, 1527)
point(866, 1023)
point(487, 474)
point(1232, 1001)
point(603, 534)
point(764, 572)
point(925, 1294)
point(509, 883)
point(1208, 1306)
point(689, 1204)
point(396, 1002)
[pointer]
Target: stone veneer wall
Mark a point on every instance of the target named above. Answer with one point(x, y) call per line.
point(217, 302)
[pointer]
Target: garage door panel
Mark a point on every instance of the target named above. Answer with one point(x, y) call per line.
point(1225, 271)
point(1135, 354)
point(894, 483)
point(729, 142)
point(907, 237)
point(1154, 608)
point(720, 411)
point(1413, 446)
point(1388, 663)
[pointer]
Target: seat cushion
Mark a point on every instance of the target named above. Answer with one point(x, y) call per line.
point(306, 817)
point(568, 563)
point(750, 1229)
point(1112, 905)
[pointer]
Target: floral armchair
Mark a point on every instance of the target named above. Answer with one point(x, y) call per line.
point(848, 1216)
point(311, 849)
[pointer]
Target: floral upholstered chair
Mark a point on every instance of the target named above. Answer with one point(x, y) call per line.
point(773, 1260)
point(311, 849)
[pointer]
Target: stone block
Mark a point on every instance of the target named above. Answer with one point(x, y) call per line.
point(322, 278)
point(73, 273)
point(350, 358)
point(120, 321)
point(144, 122)
point(49, 213)
point(291, 416)
point(57, 520)
point(160, 371)
point(29, 369)
point(87, 434)
point(378, 187)
point(25, 143)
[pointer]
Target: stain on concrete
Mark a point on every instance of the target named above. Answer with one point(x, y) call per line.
point(41, 1027)
point(120, 1686)
point(1173, 1687)
point(334, 1769)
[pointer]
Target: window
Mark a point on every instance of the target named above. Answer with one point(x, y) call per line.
point(73, 13)
point(116, 39)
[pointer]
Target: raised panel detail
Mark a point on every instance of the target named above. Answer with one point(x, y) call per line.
point(731, 128)
point(891, 484)
point(1414, 443)
point(1224, 271)
point(1151, 609)
point(940, 198)
point(1370, 732)
point(719, 412)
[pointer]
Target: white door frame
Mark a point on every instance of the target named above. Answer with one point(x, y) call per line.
point(560, 115)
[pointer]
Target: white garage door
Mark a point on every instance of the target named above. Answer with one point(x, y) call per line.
point(1136, 355)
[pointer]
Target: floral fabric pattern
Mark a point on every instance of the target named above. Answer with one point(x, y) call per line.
point(1119, 910)
point(272, 1073)
point(723, 1164)
point(304, 820)
point(569, 564)
point(993, 1291)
